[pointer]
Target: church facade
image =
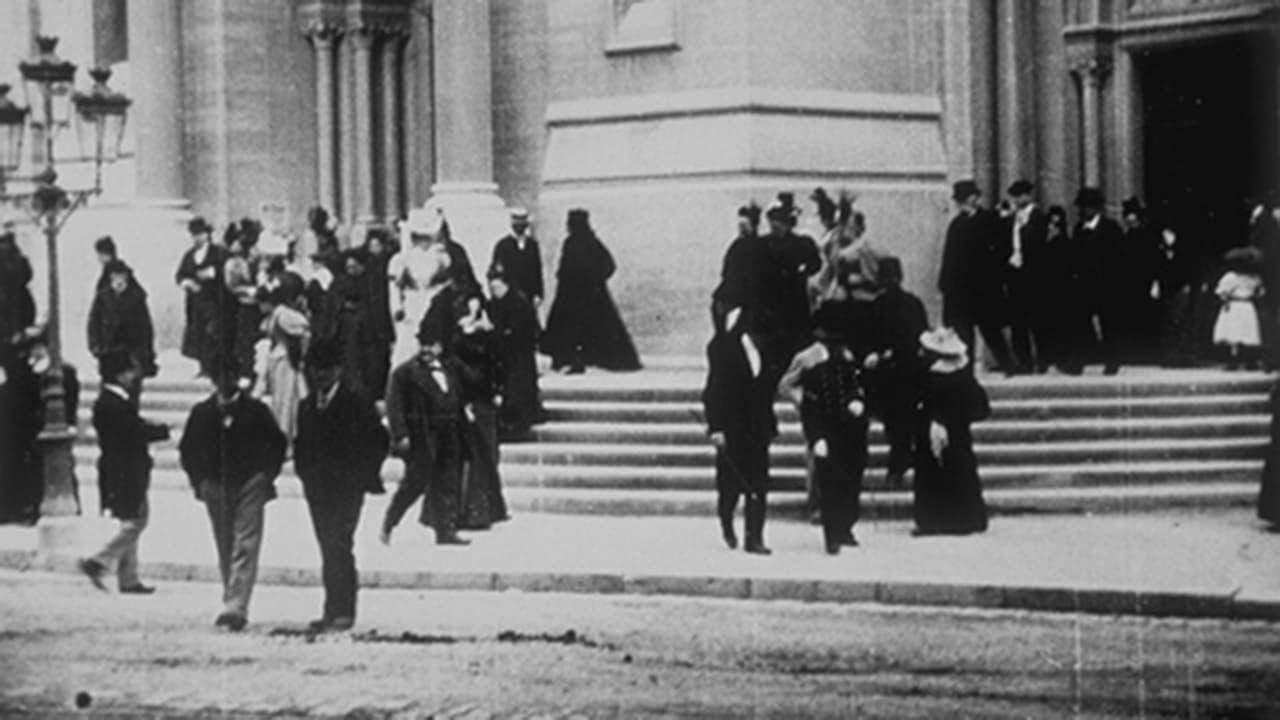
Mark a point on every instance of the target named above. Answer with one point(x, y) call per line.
point(661, 117)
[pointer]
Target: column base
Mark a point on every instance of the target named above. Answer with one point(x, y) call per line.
point(477, 217)
point(59, 538)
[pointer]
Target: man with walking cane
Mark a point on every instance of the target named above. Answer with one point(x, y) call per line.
point(738, 401)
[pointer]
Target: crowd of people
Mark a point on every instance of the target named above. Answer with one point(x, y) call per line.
point(826, 324)
point(337, 354)
point(303, 345)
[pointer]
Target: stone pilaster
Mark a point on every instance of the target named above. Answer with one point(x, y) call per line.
point(1016, 78)
point(324, 41)
point(392, 121)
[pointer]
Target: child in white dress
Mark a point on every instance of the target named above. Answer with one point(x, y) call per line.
point(1237, 328)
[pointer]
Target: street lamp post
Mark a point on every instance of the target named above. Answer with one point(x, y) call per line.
point(100, 115)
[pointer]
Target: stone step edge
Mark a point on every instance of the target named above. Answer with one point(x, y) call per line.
point(987, 596)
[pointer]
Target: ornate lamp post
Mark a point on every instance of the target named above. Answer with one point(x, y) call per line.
point(100, 114)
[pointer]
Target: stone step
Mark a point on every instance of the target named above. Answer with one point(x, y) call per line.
point(998, 431)
point(895, 504)
point(790, 477)
point(1038, 409)
point(793, 455)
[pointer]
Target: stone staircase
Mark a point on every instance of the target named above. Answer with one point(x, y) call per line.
point(634, 444)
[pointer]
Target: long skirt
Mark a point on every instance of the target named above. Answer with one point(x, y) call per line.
point(521, 401)
point(286, 387)
point(948, 493)
point(482, 502)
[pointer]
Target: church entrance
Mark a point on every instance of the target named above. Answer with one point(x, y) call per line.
point(1209, 135)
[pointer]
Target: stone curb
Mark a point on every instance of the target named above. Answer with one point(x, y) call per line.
point(1191, 605)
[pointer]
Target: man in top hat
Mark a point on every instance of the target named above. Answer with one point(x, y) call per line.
point(124, 469)
point(232, 450)
point(426, 415)
point(790, 259)
point(1100, 237)
point(520, 258)
point(208, 301)
point(338, 455)
point(972, 275)
point(1026, 233)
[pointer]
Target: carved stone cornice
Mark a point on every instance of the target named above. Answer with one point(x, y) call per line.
point(379, 18)
point(1091, 67)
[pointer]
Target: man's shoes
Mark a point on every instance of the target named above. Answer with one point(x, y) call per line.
point(758, 548)
point(328, 624)
point(833, 548)
point(451, 538)
point(849, 540)
point(138, 589)
point(235, 622)
point(1111, 370)
point(731, 539)
point(384, 535)
point(94, 570)
point(575, 370)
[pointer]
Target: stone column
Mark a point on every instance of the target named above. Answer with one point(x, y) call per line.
point(324, 40)
point(1015, 73)
point(419, 85)
point(393, 201)
point(1092, 72)
point(464, 125)
point(363, 105)
point(155, 61)
point(150, 230)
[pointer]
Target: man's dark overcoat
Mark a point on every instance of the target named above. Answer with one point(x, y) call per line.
point(522, 268)
point(432, 418)
point(124, 465)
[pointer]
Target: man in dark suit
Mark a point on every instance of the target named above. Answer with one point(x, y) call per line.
point(520, 258)
point(124, 469)
point(232, 450)
point(1099, 237)
point(1025, 238)
point(338, 455)
point(425, 411)
point(898, 317)
point(972, 278)
point(789, 260)
point(738, 402)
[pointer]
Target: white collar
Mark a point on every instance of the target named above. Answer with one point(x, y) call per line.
point(1024, 214)
point(117, 390)
point(1094, 223)
point(326, 398)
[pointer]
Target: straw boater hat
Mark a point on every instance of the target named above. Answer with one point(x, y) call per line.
point(947, 351)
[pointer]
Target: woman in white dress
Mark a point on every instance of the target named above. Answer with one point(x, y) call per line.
point(416, 275)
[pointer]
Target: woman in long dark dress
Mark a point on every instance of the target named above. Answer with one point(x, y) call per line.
point(948, 492)
point(583, 327)
point(1269, 497)
point(480, 384)
point(515, 325)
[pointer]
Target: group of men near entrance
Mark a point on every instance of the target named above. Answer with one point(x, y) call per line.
point(333, 327)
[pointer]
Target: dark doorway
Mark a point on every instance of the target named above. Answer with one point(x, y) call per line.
point(1209, 145)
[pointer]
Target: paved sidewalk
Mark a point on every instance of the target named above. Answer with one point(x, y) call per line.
point(1195, 564)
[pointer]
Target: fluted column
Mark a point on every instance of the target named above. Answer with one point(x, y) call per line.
point(363, 105)
point(1092, 73)
point(324, 40)
point(984, 109)
point(392, 131)
point(155, 60)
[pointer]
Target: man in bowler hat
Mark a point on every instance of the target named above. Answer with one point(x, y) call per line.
point(338, 455)
point(232, 450)
point(972, 275)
